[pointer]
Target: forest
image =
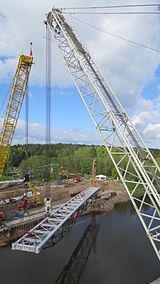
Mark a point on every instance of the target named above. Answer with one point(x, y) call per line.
point(54, 160)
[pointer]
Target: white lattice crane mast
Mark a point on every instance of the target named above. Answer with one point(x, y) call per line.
point(133, 161)
point(18, 90)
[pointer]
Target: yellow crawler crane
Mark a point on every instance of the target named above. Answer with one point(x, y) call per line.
point(18, 91)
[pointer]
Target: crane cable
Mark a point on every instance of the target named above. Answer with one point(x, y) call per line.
point(26, 149)
point(114, 13)
point(48, 101)
point(111, 6)
point(4, 102)
point(116, 36)
point(48, 85)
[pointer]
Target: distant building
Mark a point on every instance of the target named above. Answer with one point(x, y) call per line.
point(101, 178)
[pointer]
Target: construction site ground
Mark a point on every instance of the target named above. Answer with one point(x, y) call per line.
point(111, 192)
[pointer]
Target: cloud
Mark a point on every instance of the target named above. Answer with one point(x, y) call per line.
point(146, 121)
point(152, 135)
point(145, 112)
point(142, 118)
point(37, 135)
point(127, 68)
point(2, 17)
point(7, 68)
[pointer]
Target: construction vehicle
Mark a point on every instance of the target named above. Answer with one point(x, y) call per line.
point(2, 215)
point(31, 198)
point(27, 204)
point(77, 177)
point(35, 194)
point(133, 161)
point(36, 199)
point(18, 90)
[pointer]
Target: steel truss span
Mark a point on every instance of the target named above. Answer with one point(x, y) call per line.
point(37, 238)
point(137, 169)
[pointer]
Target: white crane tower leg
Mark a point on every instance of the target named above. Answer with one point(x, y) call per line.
point(133, 161)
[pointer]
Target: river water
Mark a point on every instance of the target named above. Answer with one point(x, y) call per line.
point(120, 254)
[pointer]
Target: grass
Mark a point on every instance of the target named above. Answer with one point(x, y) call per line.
point(139, 192)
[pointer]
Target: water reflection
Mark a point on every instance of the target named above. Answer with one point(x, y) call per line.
point(123, 255)
point(73, 271)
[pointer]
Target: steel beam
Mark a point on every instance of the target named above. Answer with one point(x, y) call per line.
point(36, 239)
point(135, 165)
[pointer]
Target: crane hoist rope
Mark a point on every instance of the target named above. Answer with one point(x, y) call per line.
point(133, 161)
point(18, 90)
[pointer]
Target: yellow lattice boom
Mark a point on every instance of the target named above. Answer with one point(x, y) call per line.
point(17, 94)
point(35, 194)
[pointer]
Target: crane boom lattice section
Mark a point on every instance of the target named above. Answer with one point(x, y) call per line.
point(18, 90)
point(138, 170)
point(37, 238)
point(35, 194)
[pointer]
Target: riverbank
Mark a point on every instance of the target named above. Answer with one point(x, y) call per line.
point(110, 194)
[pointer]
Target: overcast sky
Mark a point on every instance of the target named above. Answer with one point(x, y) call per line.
point(132, 71)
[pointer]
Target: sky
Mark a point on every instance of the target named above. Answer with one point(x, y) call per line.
point(133, 72)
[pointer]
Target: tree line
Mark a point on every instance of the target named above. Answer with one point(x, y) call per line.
point(54, 160)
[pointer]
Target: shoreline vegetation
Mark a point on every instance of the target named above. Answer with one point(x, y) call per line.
point(36, 157)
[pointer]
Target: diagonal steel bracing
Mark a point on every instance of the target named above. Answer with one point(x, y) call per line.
point(138, 170)
point(37, 238)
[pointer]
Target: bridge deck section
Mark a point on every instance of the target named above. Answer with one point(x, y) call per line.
point(35, 239)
